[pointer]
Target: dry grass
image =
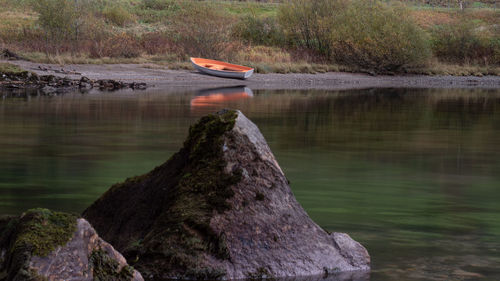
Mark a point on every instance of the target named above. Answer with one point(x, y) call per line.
point(439, 68)
point(180, 66)
point(429, 18)
point(298, 67)
point(487, 16)
point(263, 54)
point(67, 58)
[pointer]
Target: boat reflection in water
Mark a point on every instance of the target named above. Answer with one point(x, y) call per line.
point(218, 96)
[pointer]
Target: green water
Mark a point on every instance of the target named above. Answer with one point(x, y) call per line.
point(414, 175)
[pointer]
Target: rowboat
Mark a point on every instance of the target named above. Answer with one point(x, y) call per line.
point(221, 69)
point(217, 96)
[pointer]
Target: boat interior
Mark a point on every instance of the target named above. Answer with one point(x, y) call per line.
point(220, 67)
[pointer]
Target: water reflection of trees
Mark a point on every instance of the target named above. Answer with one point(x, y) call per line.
point(453, 127)
point(450, 132)
point(449, 129)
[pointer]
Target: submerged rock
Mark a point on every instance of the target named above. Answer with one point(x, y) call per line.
point(46, 245)
point(220, 208)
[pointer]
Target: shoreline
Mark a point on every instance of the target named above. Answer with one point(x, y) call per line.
point(186, 80)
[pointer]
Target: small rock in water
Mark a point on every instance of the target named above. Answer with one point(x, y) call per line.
point(46, 245)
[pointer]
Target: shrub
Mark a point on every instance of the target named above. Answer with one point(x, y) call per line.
point(57, 17)
point(370, 35)
point(378, 37)
point(303, 22)
point(64, 22)
point(466, 42)
point(120, 45)
point(118, 16)
point(157, 43)
point(259, 30)
point(203, 31)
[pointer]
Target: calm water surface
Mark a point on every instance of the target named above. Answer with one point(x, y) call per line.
point(414, 175)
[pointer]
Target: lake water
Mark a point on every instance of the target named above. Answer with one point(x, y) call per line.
point(412, 174)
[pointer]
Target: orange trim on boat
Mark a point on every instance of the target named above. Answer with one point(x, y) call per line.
point(219, 65)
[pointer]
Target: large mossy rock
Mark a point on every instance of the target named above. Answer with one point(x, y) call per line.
point(220, 208)
point(46, 245)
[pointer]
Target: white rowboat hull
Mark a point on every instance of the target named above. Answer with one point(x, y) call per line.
point(223, 73)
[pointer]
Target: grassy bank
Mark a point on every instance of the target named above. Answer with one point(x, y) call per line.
point(294, 36)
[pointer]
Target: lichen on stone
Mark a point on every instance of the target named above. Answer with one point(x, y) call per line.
point(105, 268)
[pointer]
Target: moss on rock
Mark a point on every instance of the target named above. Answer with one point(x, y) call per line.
point(105, 268)
point(41, 231)
point(36, 233)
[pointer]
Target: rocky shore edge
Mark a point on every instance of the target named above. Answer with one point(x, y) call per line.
point(52, 84)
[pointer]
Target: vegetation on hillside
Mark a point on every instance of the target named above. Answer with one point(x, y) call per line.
point(290, 36)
